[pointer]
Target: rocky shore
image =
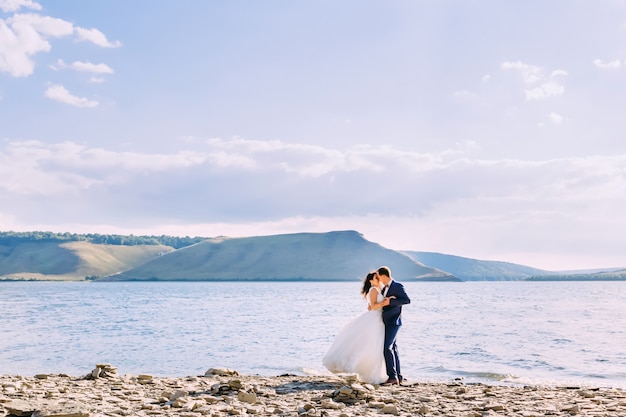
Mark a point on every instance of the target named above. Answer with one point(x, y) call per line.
point(223, 392)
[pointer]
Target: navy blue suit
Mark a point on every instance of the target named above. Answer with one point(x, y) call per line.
point(393, 321)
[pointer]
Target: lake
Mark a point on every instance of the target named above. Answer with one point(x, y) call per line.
point(545, 333)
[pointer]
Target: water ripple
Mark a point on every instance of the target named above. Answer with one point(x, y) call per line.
point(510, 332)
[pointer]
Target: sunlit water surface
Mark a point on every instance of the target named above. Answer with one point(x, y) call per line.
point(551, 333)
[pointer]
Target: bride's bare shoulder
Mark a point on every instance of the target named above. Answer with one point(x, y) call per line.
point(376, 289)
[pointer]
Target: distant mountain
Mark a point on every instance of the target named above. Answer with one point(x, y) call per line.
point(333, 256)
point(475, 270)
point(70, 261)
point(611, 275)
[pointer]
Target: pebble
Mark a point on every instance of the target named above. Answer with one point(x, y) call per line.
point(222, 392)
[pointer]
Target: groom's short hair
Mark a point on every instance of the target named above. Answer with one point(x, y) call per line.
point(384, 270)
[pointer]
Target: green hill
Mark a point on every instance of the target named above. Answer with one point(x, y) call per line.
point(341, 255)
point(333, 256)
point(70, 261)
point(475, 270)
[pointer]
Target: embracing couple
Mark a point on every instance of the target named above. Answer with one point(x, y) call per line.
point(367, 344)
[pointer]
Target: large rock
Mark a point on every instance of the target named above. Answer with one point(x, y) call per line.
point(42, 409)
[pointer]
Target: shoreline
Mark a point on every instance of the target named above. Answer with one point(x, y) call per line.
point(224, 392)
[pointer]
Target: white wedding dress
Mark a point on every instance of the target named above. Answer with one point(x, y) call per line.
point(358, 348)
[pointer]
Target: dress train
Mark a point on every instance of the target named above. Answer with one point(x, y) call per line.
point(358, 347)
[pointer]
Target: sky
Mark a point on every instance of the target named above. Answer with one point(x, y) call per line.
point(487, 129)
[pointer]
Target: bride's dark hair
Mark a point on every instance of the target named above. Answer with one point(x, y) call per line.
point(367, 283)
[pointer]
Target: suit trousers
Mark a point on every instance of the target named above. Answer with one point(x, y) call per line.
point(392, 360)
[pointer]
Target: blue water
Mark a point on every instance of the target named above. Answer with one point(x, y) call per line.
point(546, 333)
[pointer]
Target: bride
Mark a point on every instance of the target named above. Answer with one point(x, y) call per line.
point(358, 348)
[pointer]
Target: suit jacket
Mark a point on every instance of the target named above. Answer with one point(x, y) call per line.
point(391, 313)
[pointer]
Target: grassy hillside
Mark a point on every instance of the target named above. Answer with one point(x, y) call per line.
point(343, 255)
point(475, 270)
point(71, 260)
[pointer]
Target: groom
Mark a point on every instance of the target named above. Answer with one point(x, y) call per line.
point(395, 297)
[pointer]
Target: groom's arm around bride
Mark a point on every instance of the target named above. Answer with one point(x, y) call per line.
point(395, 295)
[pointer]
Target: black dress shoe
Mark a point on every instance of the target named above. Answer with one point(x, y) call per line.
point(391, 382)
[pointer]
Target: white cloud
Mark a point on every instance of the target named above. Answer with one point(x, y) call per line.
point(486, 78)
point(545, 90)
point(313, 160)
point(557, 73)
point(464, 94)
point(15, 5)
point(97, 37)
point(44, 26)
point(556, 118)
point(607, 65)
point(539, 86)
point(516, 178)
point(22, 36)
point(531, 74)
point(18, 43)
point(84, 67)
point(59, 93)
